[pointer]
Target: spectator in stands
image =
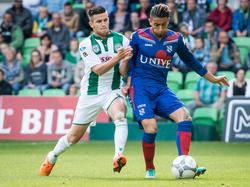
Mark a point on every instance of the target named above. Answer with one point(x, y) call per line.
point(33, 6)
point(41, 23)
point(54, 5)
point(134, 22)
point(11, 33)
point(79, 73)
point(84, 26)
point(222, 16)
point(241, 19)
point(46, 48)
point(181, 7)
point(208, 94)
point(210, 36)
point(144, 11)
point(59, 72)
point(174, 16)
point(71, 20)
point(190, 43)
point(21, 17)
point(239, 86)
point(13, 70)
point(36, 72)
point(73, 55)
point(227, 54)
point(3, 49)
point(200, 52)
point(119, 19)
point(59, 33)
point(5, 87)
point(195, 17)
point(73, 90)
point(108, 5)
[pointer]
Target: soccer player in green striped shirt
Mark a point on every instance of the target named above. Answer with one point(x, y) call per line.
point(105, 54)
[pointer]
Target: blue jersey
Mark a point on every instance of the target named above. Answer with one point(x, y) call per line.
point(149, 67)
point(152, 57)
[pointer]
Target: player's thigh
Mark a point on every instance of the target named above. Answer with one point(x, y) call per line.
point(117, 109)
point(180, 115)
point(141, 104)
point(87, 109)
point(167, 103)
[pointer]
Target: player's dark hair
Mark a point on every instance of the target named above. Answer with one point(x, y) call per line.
point(160, 10)
point(96, 10)
point(68, 4)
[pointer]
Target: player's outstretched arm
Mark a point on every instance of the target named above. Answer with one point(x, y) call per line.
point(102, 68)
point(222, 80)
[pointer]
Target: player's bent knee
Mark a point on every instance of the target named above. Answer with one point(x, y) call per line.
point(150, 129)
point(73, 138)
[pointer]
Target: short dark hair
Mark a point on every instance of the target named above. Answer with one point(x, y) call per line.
point(160, 10)
point(68, 4)
point(96, 10)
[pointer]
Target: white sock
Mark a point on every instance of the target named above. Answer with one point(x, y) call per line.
point(60, 147)
point(120, 136)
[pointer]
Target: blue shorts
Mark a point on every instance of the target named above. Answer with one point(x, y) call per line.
point(151, 100)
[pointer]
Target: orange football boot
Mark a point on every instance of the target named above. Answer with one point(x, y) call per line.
point(46, 168)
point(118, 163)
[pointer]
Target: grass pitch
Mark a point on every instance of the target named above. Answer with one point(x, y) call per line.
point(90, 164)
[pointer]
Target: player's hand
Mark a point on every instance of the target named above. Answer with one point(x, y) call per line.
point(129, 54)
point(124, 52)
point(125, 90)
point(222, 80)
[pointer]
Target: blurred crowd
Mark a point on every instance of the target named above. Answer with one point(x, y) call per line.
point(39, 41)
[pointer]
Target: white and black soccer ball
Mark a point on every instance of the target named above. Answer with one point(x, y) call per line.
point(183, 167)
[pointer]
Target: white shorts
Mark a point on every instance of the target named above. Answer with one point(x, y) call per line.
point(89, 106)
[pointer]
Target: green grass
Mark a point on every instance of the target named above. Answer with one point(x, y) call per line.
point(90, 164)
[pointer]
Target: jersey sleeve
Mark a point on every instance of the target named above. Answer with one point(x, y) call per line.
point(125, 42)
point(134, 45)
point(88, 56)
point(187, 57)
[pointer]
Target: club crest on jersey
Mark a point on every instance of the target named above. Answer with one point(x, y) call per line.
point(169, 48)
point(96, 48)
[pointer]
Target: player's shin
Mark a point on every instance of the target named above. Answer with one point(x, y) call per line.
point(183, 137)
point(61, 146)
point(148, 146)
point(120, 136)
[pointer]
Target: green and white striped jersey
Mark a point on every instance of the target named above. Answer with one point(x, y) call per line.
point(95, 50)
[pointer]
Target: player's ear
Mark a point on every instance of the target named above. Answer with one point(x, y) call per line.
point(150, 21)
point(91, 24)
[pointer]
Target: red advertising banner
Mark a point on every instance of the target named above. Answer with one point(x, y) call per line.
point(38, 118)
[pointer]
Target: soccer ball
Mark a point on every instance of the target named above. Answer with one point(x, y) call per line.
point(183, 167)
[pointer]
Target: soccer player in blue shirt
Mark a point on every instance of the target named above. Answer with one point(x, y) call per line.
point(153, 49)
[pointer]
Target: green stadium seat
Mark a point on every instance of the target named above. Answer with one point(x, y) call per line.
point(244, 44)
point(53, 92)
point(204, 120)
point(205, 116)
point(29, 92)
point(31, 43)
point(248, 74)
point(242, 41)
point(185, 95)
point(191, 79)
point(174, 81)
point(78, 6)
point(26, 59)
point(229, 74)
